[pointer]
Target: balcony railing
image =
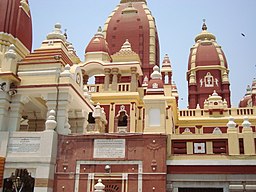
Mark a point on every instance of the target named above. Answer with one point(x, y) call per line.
point(121, 87)
point(231, 112)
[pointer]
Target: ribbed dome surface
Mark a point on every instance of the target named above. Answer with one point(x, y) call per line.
point(207, 55)
point(133, 21)
point(206, 51)
point(15, 19)
point(97, 44)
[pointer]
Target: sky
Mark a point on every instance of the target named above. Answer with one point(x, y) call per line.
point(178, 22)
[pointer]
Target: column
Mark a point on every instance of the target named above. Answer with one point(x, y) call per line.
point(134, 80)
point(132, 117)
point(248, 137)
point(85, 79)
point(111, 122)
point(114, 80)
point(166, 78)
point(233, 140)
point(61, 108)
point(63, 126)
point(170, 78)
point(106, 79)
point(15, 114)
point(140, 119)
point(4, 106)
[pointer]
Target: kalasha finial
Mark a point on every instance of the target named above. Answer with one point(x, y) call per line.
point(65, 33)
point(99, 29)
point(204, 28)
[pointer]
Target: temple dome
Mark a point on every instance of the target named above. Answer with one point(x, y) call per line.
point(98, 43)
point(16, 20)
point(246, 101)
point(207, 70)
point(133, 20)
point(206, 51)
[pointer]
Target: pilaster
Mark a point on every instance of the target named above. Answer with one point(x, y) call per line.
point(134, 80)
point(61, 106)
point(15, 114)
point(233, 139)
point(63, 126)
point(111, 123)
point(140, 119)
point(155, 114)
point(4, 107)
point(132, 118)
point(248, 138)
point(169, 120)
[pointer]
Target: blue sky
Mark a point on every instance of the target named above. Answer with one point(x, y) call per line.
point(178, 22)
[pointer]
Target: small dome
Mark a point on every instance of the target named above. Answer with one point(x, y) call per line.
point(56, 33)
point(156, 74)
point(98, 43)
point(155, 85)
point(246, 101)
point(15, 19)
point(206, 51)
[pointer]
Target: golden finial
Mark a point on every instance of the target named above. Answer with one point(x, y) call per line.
point(204, 28)
point(99, 29)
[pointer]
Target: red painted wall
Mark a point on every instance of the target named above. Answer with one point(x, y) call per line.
point(149, 149)
point(1, 171)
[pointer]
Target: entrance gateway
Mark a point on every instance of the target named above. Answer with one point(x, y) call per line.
point(200, 190)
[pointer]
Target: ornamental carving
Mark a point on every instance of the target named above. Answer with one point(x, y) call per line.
point(209, 81)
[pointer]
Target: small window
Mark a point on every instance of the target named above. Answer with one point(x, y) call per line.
point(122, 120)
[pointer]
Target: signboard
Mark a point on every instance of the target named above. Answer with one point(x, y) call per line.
point(24, 144)
point(109, 148)
point(1, 171)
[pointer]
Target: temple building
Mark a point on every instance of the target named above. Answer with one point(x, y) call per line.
point(125, 132)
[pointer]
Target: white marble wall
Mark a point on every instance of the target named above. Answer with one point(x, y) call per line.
point(37, 155)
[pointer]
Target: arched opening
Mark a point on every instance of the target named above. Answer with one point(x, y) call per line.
point(91, 123)
point(122, 120)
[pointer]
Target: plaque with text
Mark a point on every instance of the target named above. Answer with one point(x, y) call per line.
point(24, 144)
point(109, 148)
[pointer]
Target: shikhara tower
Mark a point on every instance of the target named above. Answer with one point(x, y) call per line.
point(207, 70)
point(133, 20)
point(125, 132)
